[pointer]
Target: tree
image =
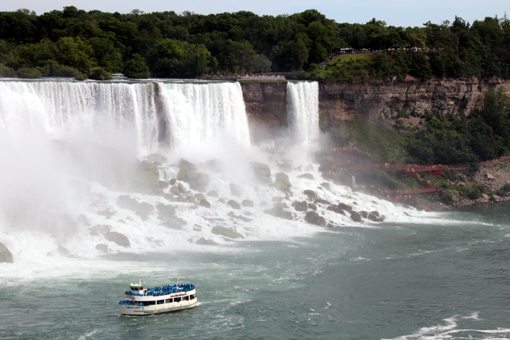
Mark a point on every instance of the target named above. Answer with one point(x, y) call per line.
point(136, 67)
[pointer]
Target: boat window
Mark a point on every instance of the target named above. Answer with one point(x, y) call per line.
point(168, 300)
point(177, 299)
point(191, 297)
point(161, 302)
point(186, 298)
point(149, 303)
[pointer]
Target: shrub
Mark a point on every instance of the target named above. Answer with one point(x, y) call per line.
point(99, 73)
point(29, 72)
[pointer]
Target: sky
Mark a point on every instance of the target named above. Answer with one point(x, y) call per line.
point(393, 12)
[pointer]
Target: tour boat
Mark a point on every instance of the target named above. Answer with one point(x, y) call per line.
point(141, 301)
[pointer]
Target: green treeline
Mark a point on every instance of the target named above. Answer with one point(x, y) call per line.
point(95, 44)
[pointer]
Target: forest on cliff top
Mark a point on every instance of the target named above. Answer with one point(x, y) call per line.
point(95, 44)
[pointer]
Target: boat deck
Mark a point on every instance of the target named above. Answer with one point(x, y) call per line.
point(163, 290)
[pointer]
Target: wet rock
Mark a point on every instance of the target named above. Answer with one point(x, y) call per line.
point(199, 196)
point(300, 205)
point(205, 242)
point(312, 206)
point(312, 196)
point(226, 232)
point(236, 190)
point(356, 217)
point(147, 175)
point(322, 201)
point(364, 213)
point(262, 171)
point(106, 213)
point(344, 206)
point(102, 247)
point(5, 254)
point(282, 182)
point(326, 185)
point(375, 216)
point(117, 238)
point(314, 218)
point(172, 181)
point(336, 209)
point(307, 176)
point(233, 204)
point(204, 203)
point(247, 203)
point(189, 174)
point(178, 189)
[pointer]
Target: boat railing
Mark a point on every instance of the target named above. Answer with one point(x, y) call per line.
point(163, 290)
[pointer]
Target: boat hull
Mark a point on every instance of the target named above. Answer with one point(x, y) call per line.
point(127, 310)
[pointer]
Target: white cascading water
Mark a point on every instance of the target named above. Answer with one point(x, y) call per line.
point(198, 112)
point(61, 107)
point(51, 216)
point(303, 112)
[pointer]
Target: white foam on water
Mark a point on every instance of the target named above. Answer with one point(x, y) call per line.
point(449, 330)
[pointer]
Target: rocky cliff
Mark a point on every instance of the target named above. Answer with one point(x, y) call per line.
point(266, 101)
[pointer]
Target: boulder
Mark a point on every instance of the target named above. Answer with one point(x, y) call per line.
point(312, 206)
point(147, 174)
point(188, 173)
point(364, 213)
point(262, 172)
point(205, 242)
point(102, 247)
point(247, 203)
point(344, 206)
point(307, 176)
point(326, 185)
point(312, 196)
point(233, 204)
point(375, 216)
point(226, 232)
point(336, 209)
point(314, 218)
point(117, 238)
point(356, 217)
point(5, 254)
point(282, 182)
point(322, 201)
point(178, 189)
point(300, 205)
point(204, 203)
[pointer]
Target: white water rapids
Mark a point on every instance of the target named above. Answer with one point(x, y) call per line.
point(71, 153)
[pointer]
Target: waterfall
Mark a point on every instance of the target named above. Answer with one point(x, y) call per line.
point(303, 112)
point(198, 112)
point(188, 113)
point(58, 107)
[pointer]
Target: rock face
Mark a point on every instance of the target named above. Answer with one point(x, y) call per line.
point(5, 254)
point(266, 102)
point(266, 105)
point(340, 102)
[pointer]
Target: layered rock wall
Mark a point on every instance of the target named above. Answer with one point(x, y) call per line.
point(266, 101)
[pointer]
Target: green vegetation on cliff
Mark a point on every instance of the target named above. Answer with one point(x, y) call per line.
point(81, 44)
